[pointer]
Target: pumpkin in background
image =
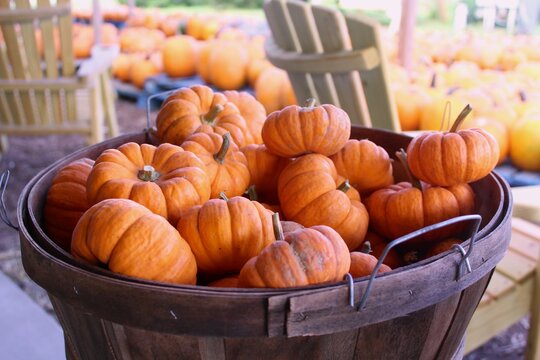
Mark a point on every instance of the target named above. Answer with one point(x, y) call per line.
point(255, 48)
point(140, 39)
point(274, 89)
point(232, 34)
point(202, 28)
point(296, 130)
point(170, 25)
point(498, 130)
point(131, 240)
point(205, 50)
point(225, 65)
point(226, 165)
point(198, 108)
point(311, 193)
point(141, 70)
point(251, 110)
point(453, 157)
point(442, 246)
point(436, 115)
point(525, 143)
point(228, 282)
point(410, 103)
point(255, 68)
point(152, 176)
point(366, 165)
point(83, 40)
point(179, 56)
point(66, 201)
point(225, 233)
point(121, 67)
point(264, 168)
point(314, 255)
point(509, 60)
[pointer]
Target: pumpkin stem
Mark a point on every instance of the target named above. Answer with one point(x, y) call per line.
point(433, 80)
point(211, 115)
point(251, 193)
point(461, 117)
point(222, 196)
point(402, 157)
point(278, 229)
point(411, 257)
point(310, 102)
point(220, 155)
point(366, 247)
point(522, 95)
point(148, 173)
point(345, 186)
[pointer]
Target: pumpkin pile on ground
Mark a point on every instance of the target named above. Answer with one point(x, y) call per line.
point(187, 210)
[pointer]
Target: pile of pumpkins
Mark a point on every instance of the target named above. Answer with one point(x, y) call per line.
point(204, 205)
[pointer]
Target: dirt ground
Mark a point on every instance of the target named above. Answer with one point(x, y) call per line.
point(26, 156)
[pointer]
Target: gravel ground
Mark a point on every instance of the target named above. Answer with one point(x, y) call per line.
point(26, 156)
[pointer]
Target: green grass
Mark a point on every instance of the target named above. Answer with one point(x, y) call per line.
point(212, 10)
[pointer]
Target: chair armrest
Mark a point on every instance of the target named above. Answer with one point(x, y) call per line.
point(101, 60)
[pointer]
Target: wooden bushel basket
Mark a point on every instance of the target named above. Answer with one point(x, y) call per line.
point(419, 311)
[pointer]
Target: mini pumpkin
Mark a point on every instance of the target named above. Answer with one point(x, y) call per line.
point(309, 194)
point(363, 264)
point(131, 240)
point(227, 282)
point(166, 179)
point(296, 130)
point(66, 201)
point(453, 157)
point(307, 256)
point(226, 165)
point(252, 111)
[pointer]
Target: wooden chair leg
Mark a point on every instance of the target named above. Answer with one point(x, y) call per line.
point(108, 104)
point(96, 133)
point(3, 145)
point(533, 342)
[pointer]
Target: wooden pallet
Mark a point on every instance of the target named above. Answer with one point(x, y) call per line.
point(511, 291)
point(516, 177)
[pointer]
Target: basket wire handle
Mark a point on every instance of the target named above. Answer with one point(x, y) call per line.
point(4, 178)
point(463, 263)
point(149, 103)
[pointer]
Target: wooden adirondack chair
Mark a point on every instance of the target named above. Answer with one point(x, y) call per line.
point(334, 58)
point(49, 93)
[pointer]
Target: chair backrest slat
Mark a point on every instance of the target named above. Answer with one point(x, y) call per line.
point(335, 37)
point(310, 43)
point(365, 33)
point(8, 107)
point(281, 26)
point(68, 63)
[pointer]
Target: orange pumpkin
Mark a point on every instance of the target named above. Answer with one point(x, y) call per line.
point(141, 70)
point(152, 176)
point(131, 240)
point(264, 168)
point(198, 108)
point(307, 256)
point(309, 194)
point(255, 68)
point(225, 233)
point(66, 201)
point(274, 89)
point(366, 165)
point(363, 264)
point(179, 56)
point(226, 65)
point(226, 165)
point(525, 144)
point(228, 282)
point(442, 246)
point(499, 132)
point(295, 130)
point(410, 103)
point(453, 157)
point(251, 110)
point(378, 244)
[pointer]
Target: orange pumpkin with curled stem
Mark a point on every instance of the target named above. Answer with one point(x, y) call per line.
point(366, 165)
point(408, 206)
point(225, 233)
point(152, 176)
point(132, 240)
point(226, 165)
point(307, 256)
point(296, 130)
point(453, 157)
point(311, 193)
point(66, 201)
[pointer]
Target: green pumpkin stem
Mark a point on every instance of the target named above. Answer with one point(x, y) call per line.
point(222, 196)
point(345, 186)
point(461, 117)
point(366, 247)
point(402, 157)
point(210, 116)
point(522, 95)
point(251, 193)
point(220, 155)
point(278, 230)
point(310, 102)
point(148, 173)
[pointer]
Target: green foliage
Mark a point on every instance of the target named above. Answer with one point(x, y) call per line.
point(213, 3)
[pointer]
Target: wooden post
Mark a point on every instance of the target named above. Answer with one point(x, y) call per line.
point(131, 7)
point(406, 33)
point(97, 20)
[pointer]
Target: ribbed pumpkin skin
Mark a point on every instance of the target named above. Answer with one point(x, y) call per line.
point(223, 235)
point(401, 208)
point(232, 176)
point(447, 159)
point(251, 110)
point(307, 256)
point(66, 201)
point(188, 109)
point(363, 265)
point(367, 165)
point(264, 168)
point(228, 282)
point(308, 195)
point(182, 182)
point(296, 130)
point(133, 241)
